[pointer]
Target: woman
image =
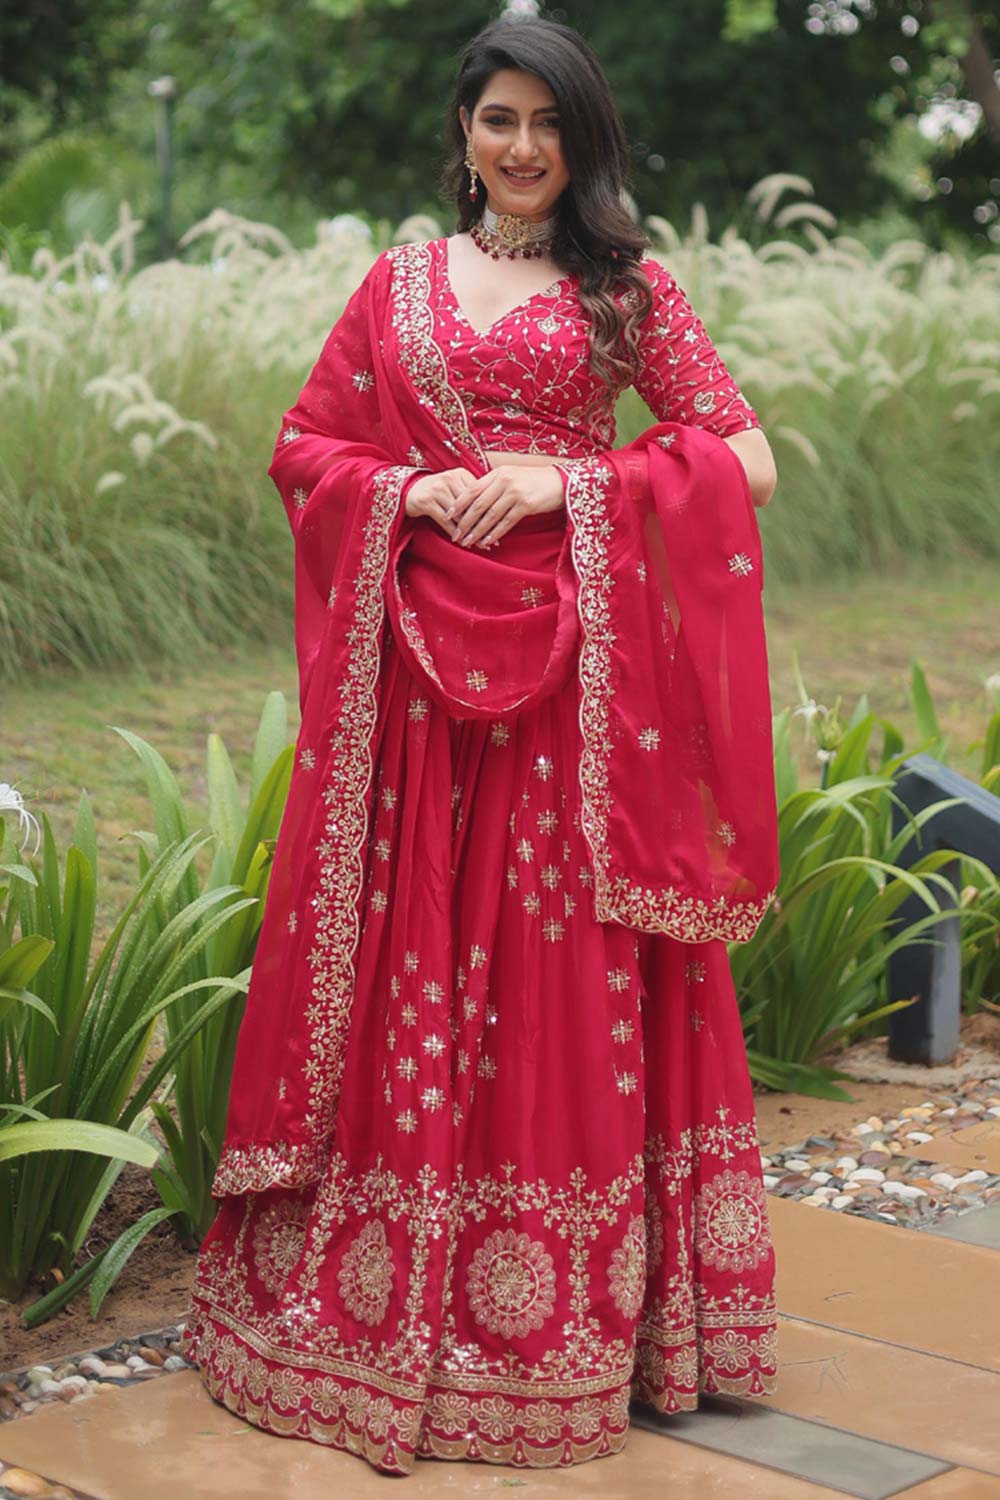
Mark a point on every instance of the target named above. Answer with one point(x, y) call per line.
point(491, 1163)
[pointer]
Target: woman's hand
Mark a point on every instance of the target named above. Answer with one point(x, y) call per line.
point(486, 509)
point(431, 494)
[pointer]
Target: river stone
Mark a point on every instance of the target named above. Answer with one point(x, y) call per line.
point(23, 1482)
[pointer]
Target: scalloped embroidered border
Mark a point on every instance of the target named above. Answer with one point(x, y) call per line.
point(616, 897)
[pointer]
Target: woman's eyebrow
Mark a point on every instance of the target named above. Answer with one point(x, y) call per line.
point(544, 109)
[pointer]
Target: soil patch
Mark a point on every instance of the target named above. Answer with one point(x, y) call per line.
point(151, 1291)
point(879, 1085)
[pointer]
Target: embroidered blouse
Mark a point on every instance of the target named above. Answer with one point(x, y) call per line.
point(526, 380)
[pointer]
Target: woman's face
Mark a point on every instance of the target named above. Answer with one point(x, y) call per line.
point(515, 142)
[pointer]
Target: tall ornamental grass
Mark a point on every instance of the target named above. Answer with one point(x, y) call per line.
point(139, 408)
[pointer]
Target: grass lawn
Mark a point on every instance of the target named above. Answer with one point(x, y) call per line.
point(850, 639)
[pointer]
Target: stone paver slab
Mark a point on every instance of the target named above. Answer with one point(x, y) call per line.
point(919, 1291)
point(960, 1484)
point(847, 1463)
point(979, 1226)
point(940, 1407)
point(972, 1146)
point(167, 1439)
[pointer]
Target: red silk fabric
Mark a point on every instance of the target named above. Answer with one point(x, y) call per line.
point(534, 792)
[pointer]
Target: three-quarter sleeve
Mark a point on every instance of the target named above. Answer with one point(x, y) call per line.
point(683, 377)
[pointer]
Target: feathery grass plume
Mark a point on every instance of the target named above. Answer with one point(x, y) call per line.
point(877, 376)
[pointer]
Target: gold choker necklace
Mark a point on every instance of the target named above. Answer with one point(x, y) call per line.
point(513, 235)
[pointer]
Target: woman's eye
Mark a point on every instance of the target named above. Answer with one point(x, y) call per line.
point(499, 123)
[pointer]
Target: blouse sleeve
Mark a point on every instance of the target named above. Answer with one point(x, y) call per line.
point(683, 376)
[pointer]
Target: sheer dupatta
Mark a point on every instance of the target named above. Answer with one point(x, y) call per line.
point(657, 584)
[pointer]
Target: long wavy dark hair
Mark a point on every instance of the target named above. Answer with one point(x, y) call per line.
point(596, 238)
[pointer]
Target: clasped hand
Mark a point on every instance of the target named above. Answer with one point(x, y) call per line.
point(479, 511)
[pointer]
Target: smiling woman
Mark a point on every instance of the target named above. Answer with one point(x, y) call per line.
point(490, 1168)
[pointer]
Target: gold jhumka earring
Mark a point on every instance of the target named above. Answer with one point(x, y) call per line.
point(470, 163)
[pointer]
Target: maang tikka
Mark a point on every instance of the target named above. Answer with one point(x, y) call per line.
point(470, 163)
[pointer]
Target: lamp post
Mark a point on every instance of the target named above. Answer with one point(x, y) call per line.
point(164, 91)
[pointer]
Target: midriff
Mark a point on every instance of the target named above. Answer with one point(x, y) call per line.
point(498, 456)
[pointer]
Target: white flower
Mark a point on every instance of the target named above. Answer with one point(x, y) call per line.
point(810, 710)
point(12, 801)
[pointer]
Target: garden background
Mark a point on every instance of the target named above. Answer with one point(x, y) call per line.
point(188, 195)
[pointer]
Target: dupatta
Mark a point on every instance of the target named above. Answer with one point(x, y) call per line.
point(655, 605)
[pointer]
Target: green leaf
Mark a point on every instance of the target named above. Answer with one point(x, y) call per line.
point(116, 1255)
point(74, 1135)
point(9, 998)
point(225, 811)
point(22, 961)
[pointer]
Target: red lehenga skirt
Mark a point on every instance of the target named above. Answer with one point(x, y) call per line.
point(545, 1195)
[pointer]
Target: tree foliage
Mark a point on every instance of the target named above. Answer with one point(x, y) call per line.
point(340, 104)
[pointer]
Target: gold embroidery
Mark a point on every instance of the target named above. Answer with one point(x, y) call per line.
point(511, 1284)
point(420, 354)
point(331, 959)
point(731, 1224)
point(616, 897)
point(370, 1398)
point(627, 1271)
point(366, 1276)
point(278, 1240)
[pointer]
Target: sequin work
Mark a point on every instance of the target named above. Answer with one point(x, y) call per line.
point(523, 1188)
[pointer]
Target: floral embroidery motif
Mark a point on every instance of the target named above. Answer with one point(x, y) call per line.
point(649, 739)
point(511, 1284)
point(740, 564)
point(278, 1240)
point(732, 1230)
point(727, 833)
point(531, 596)
point(627, 1271)
point(366, 1274)
point(290, 434)
point(363, 380)
point(477, 680)
point(419, 353)
point(301, 499)
point(307, 759)
point(245, 1169)
point(616, 897)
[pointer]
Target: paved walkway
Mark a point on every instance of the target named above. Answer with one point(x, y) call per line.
point(889, 1385)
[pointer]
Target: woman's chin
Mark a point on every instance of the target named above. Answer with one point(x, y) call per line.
point(528, 203)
